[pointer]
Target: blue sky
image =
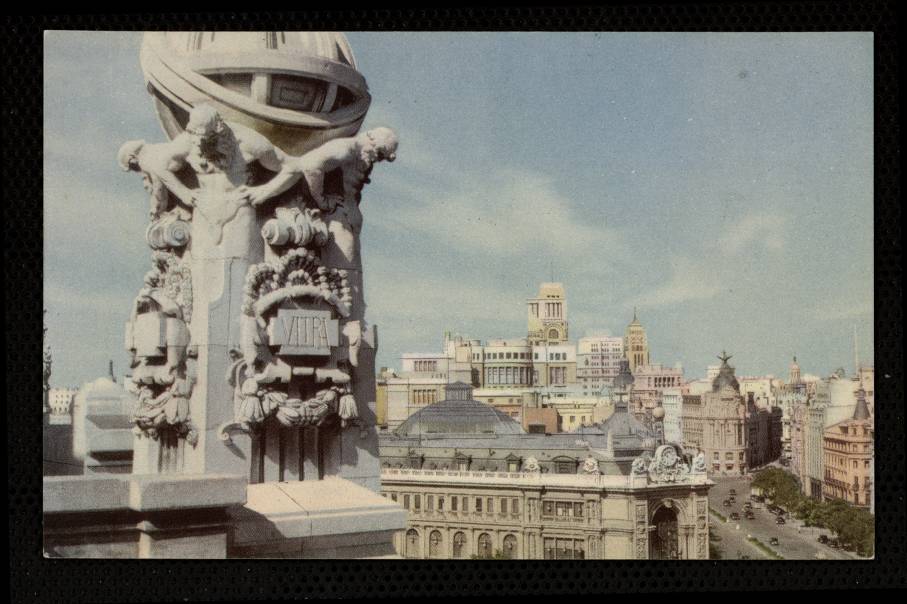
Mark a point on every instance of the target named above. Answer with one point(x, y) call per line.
point(722, 183)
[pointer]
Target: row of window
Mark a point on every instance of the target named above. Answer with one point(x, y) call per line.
point(425, 365)
point(515, 356)
point(729, 456)
point(454, 503)
point(562, 509)
point(424, 397)
point(510, 375)
point(841, 462)
point(436, 545)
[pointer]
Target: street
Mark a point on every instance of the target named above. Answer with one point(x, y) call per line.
point(795, 542)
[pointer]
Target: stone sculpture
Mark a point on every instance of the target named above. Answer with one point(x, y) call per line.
point(665, 466)
point(590, 466)
point(699, 463)
point(301, 319)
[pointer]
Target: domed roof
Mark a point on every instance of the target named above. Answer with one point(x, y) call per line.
point(725, 377)
point(299, 89)
point(624, 379)
point(453, 416)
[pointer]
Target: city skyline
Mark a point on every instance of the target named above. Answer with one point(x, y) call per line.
point(722, 183)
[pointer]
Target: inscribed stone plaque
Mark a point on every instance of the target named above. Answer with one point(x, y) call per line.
point(304, 332)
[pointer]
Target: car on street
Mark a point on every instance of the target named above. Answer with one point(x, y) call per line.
point(735, 516)
point(747, 506)
point(773, 541)
point(749, 515)
point(780, 520)
point(732, 492)
point(726, 503)
point(823, 539)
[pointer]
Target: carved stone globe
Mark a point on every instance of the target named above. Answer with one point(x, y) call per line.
point(658, 413)
point(299, 89)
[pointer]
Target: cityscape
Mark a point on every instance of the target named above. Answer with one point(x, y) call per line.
point(253, 405)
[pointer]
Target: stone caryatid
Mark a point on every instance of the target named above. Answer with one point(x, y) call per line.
point(254, 308)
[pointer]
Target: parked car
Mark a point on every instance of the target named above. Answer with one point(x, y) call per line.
point(735, 516)
point(747, 506)
point(823, 539)
point(773, 541)
point(750, 516)
point(726, 503)
point(780, 520)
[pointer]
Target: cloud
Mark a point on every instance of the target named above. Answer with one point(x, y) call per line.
point(504, 211)
point(839, 310)
point(766, 230)
point(689, 281)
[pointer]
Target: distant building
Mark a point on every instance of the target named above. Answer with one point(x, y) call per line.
point(506, 363)
point(649, 381)
point(848, 454)
point(597, 362)
point(636, 344)
point(789, 397)
point(476, 485)
point(733, 432)
point(672, 402)
point(102, 426)
point(554, 365)
point(812, 469)
point(547, 315)
point(60, 402)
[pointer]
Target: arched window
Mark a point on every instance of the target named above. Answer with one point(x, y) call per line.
point(510, 549)
point(484, 546)
point(552, 334)
point(459, 545)
point(434, 544)
point(412, 544)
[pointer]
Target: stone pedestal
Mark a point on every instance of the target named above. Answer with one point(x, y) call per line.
point(133, 516)
point(331, 518)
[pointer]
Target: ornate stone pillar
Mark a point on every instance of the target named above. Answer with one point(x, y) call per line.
point(250, 350)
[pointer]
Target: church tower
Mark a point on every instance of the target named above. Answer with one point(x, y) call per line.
point(636, 344)
point(547, 315)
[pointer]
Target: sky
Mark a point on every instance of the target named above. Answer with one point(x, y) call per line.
point(722, 184)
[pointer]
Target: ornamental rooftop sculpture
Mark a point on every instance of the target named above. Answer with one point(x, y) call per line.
point(252, 318)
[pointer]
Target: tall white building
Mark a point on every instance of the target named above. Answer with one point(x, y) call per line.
point(672, 402)
point(597, 362)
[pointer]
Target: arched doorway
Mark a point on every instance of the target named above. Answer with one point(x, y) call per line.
point(434, 544)
point(663, 542)
point(412, 544)
point(459, 545)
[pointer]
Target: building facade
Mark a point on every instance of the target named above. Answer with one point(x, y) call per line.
point(597, 362)
point(547, 315)
point(734, 433)
point(672, 403)
point(477, 486)
point(848, 454)
point(636, 344)
point(649, 382)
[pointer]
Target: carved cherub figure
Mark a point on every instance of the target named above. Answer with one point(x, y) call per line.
point(220, 154)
